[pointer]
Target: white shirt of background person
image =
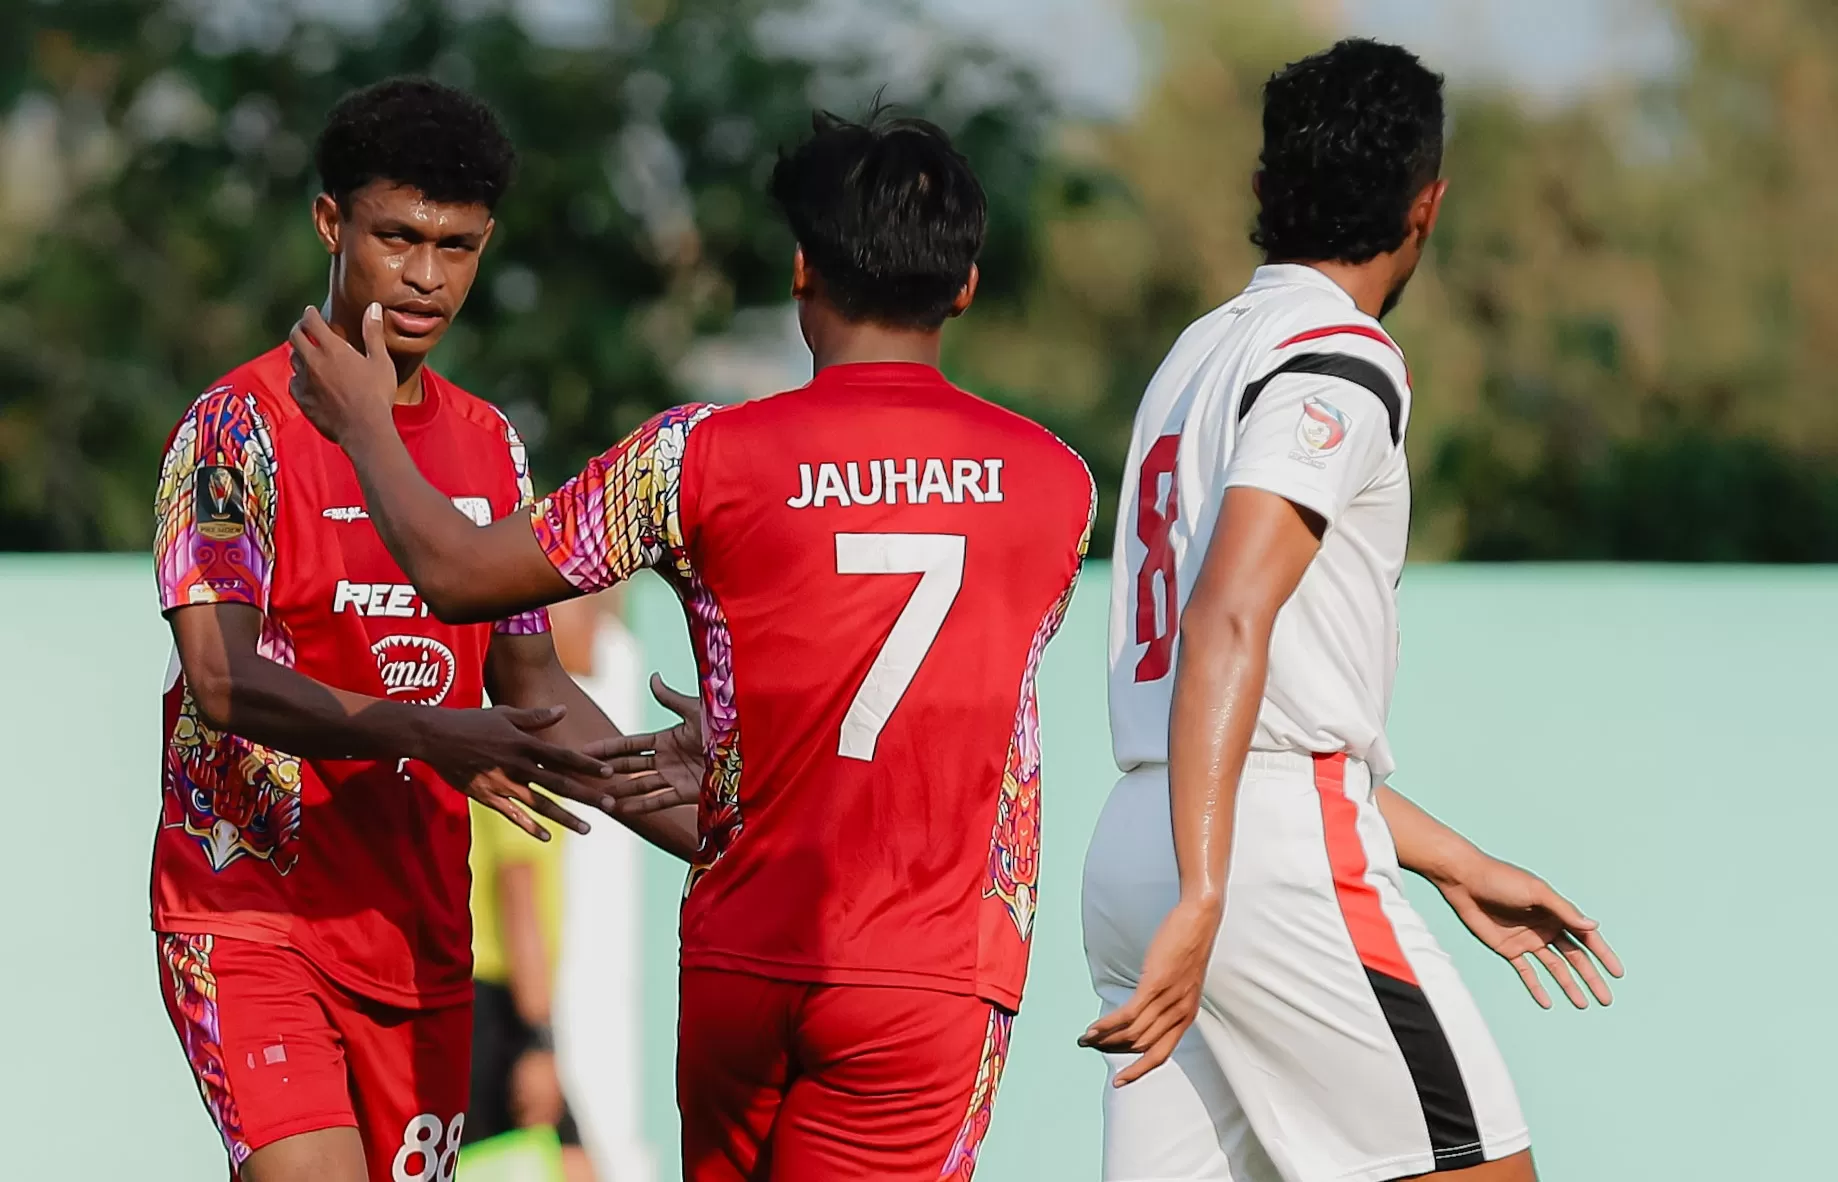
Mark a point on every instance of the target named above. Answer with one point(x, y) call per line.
point(598, 999)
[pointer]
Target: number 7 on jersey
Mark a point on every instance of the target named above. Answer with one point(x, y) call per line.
point(938, 560)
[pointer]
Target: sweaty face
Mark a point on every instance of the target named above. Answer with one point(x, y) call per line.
point(416, 257)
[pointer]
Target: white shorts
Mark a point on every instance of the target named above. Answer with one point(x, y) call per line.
point(1335, 1042)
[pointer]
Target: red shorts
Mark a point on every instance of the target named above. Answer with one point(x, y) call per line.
point(779, 1080)
point(279, 1049)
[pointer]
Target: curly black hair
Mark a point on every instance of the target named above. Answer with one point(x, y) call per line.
point(1351, 136)
point(419, 133)
point(887, 212)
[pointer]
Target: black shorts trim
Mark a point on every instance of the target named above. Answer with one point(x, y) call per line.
point(1455, 1137)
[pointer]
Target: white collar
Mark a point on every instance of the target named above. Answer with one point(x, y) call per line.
point(1296, 275)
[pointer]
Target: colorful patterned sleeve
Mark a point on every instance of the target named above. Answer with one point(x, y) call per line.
point(530, 623)
point(214, 511)
point(623, 512)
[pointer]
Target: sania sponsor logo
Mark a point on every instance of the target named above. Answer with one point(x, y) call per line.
point(417, 669)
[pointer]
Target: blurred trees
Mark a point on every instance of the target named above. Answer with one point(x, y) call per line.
point(1625, 342)
point(169, 239)
point(1628, 349)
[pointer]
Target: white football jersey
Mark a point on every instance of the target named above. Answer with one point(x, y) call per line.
point(1292, 389)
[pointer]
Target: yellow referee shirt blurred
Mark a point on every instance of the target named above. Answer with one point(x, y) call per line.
point(496, 847)
point(517, 899)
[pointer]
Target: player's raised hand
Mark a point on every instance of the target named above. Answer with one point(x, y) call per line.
point(495, 757)
point(1519, 916)
point(342, 391)
point(1167, 998)
point(663, 768)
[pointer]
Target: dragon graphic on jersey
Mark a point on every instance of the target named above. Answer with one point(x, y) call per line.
point(194, 1004)
point(236, 798)
point(961, 1163)
point(1014, 848)
point(718, 815)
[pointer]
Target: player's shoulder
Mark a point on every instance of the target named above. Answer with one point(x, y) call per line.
point(1022, 436)
point(1309, 321)
point(249, 400)
point(468, 410)
point(1031, 433)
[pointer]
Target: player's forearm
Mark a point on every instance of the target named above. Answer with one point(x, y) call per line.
point(1218, 685)
point(277, 707)
point(1425, 845)
point(433, 542)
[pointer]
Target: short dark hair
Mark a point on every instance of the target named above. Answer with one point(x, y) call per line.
point(419, 133)
point(1351, 136)
point(887, 212)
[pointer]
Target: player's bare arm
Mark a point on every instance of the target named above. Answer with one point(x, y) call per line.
point(1259, 551)
point(1512, 911)
point(491, 755)
point(465, 574)
point(525, 671)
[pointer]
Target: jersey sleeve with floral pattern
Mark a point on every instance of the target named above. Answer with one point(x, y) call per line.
point(214, 512)
point(623, 512)
point(528, 623)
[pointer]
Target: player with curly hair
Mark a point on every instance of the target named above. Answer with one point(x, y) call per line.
point(310, 886)
point(1294, 1019)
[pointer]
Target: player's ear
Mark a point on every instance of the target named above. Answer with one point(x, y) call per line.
point(967, 293)
point(490, 225)
point(1257, 184)
point(327, 221)
point(800, 276)
point(1426, 209)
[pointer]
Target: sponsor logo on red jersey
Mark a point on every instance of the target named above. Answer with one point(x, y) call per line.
point(416, 669)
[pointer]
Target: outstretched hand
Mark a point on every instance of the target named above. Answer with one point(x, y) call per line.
point(342, 392)
point(1519, 916)
point(1167, 997)
point(494, 757)
point(663, 768)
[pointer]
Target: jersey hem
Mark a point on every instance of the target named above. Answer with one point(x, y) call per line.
point(213, 598)
point(364, 986)
point(779, 970)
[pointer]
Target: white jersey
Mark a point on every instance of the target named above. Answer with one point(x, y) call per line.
point(1292, 389)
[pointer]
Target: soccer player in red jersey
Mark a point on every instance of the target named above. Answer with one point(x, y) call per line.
point(311, 907)
point(871, 566)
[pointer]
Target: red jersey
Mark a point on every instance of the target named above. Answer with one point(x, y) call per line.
point(871, 566)
point(359, 865)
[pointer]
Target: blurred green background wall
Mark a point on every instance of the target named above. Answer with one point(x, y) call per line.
point(1656, 740)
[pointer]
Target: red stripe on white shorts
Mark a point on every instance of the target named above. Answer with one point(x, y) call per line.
point(1373, 937)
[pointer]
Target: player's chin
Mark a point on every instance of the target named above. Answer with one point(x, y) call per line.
point(414, 345)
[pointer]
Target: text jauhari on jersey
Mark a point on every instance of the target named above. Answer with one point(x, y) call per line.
point(879, 482)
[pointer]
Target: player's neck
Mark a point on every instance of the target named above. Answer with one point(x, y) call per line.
point(858, 344)
point(1369, 283)
point(349, 326)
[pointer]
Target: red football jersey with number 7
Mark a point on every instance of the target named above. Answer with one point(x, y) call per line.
point(871, 566)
